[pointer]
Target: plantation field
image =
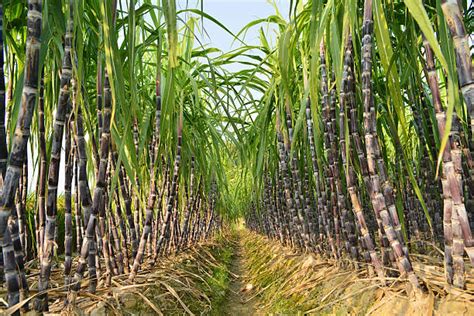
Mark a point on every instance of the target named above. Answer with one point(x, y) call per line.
point(159, 159)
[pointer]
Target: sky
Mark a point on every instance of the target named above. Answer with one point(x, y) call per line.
point(234, 14)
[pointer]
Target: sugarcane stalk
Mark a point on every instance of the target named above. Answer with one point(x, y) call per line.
point(173, 189)
point(88, 247)
point(14, 228)
point(3, 134)
point(454, 20)
point(19, 146)
point(212, 201)
point(41, 303)
point(316, 175)
point(273, 214)
point(117, 259)
point(348, 103)
point(43, 166)
point(155, 143)
point(345, 94)
point(121, 220)
point(345, 224)
point(95, 137)
point(115, 248)
point(174, 232)
point(152, 194)
point(159, 217)
point(451, 182)
point(99, 99)
point(296, 181)
point(98, 207)
point(197, 220)
point(278, 208)
point(69, 161)
point(336, 193)
point(128, 211)
point(137, 207)
point(189, 207)
point(100, 191)
point(382, 201)
point(21, 207)
point(77, 204)
point(329, 141)
point(455, 182)
point(266, 210)
point(287, 188)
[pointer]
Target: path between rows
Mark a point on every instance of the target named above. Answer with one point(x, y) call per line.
point(240, 299)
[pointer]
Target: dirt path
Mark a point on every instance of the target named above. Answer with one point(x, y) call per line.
point(239, 300)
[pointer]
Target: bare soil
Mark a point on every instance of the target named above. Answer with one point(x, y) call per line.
point(240, 299)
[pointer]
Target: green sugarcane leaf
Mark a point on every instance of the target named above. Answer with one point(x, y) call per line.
point(418, 12)
point(169, 7)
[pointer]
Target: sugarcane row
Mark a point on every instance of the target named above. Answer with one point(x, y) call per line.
point(108, 241)
point(351, 173)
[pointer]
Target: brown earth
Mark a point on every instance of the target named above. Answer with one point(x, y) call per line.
point(240, 299)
